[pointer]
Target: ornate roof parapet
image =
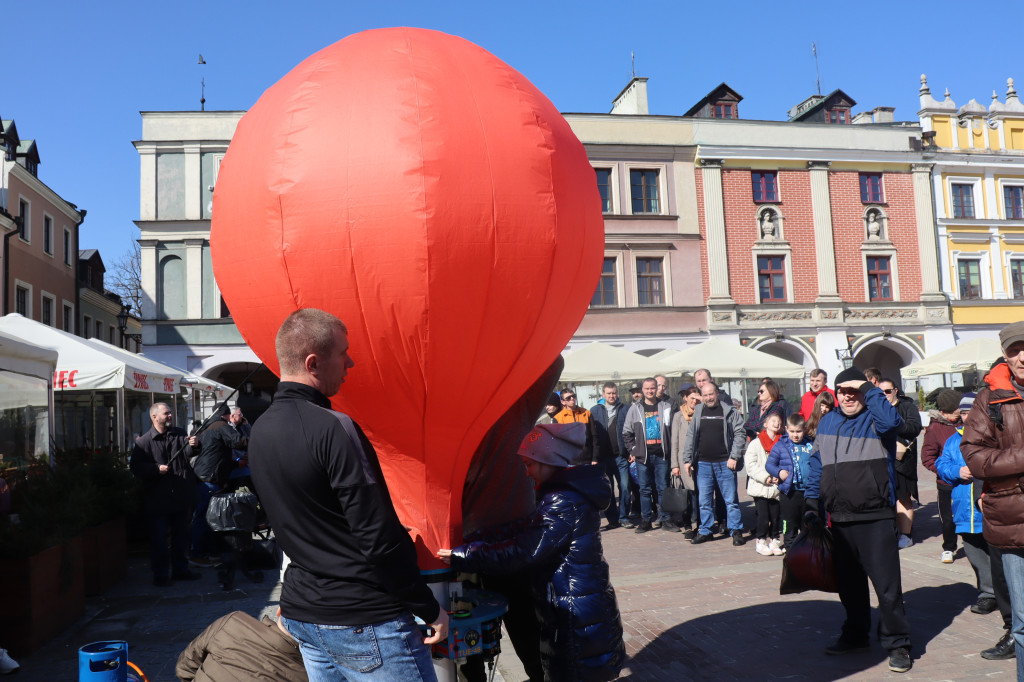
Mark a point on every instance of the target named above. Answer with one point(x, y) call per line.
point(930, 105)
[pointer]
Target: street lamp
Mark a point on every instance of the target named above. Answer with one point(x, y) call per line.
point(122, 323)
point(845, 355)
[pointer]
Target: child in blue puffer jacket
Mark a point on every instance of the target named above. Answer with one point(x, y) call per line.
point(790, 462)
point(580, 628)
point(952, 469)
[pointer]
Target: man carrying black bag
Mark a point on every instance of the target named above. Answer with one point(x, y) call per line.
point(857, 448)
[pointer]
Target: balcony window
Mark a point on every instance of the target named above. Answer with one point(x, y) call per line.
point(643, 187)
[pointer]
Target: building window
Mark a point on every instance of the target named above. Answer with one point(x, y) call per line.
point(110, 335)
point(46, 313)
point(724, 110)
point(879, 279)
point(771, 278)
point(99, 329)
point(838, 115)
point(605, 294)
point(21, 298)
point(963, 200)
point(1017, 278)
point(48, 234)
point(650, 285)
point(969, 272)
point(765, 185)
point(1013, 200)
point(871, 188)
point(67, 247)
point(604, 187)
point(87, 326)
point(25, 228)
point(69, 319)
point(644, 190)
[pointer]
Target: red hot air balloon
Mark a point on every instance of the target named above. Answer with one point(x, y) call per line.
point(431, 197)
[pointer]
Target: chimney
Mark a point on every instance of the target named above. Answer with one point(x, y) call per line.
point(632, 99)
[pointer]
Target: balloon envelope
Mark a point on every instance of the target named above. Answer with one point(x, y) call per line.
point(431, 197)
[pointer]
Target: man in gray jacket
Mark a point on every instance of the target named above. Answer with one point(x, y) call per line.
point(646, 435)
point(715, 442)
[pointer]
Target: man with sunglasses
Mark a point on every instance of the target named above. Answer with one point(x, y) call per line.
point(571, 412)
point(856, 444)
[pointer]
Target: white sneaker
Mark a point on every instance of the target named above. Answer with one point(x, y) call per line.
point(776, 548)
point(906, 541)
point(947, 557)
point(7, 664)
point(762, 548)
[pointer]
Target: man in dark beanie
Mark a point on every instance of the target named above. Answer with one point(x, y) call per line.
point(551, 408)
point(857, 488)
point(943, 423)
point(212, 467)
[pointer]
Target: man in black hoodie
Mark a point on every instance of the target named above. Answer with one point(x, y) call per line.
point(352, 587)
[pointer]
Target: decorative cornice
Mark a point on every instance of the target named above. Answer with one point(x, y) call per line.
point(711, 163)
point(819, 165)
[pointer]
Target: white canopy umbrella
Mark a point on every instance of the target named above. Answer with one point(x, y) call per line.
point(24, 358)
point(976, 354)
point(599, 361)
point(727, 360)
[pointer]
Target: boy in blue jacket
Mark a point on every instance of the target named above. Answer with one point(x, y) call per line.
point(580, 628)
point(952, 469)
point(790, 462)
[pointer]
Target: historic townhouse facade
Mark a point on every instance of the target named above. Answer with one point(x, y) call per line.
point(808, 238)
point(977, 157)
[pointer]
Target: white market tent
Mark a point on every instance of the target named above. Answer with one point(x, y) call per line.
point(86, 370)
point(976, 354)
point(601, 362)
point(26, 399)
point(727, 360)
point(24, 358)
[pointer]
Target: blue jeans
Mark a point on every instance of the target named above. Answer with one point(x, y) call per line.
point(708, 473)
point(655, 473)
point(391, 650)
point(1013, 567)
point(202, 536)
point(622, 463)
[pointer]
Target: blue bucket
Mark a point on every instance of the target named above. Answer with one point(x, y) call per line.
point(103, 662)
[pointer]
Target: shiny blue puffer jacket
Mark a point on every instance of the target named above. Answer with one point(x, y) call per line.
point(580, 629)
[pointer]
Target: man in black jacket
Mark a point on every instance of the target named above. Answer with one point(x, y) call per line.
point(213, 467)
point(352, 587)
point(606, 422)
point(160, 461)
point(906, 459)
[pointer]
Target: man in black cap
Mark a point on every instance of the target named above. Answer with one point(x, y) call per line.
point(213, 467)
point(857, 488)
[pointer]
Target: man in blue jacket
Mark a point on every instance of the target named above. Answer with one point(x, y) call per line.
point(857, 487)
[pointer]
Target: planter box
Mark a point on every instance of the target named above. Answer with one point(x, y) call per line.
point(104, 556)
point(43, 595)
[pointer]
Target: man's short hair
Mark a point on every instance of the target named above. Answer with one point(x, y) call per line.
point(307, 331)
point(566, 391)
point(156, 406)
point(819, 372)
point(704, 371)
point(873, 374)
point(796, 421)
point(661, 376)
point(649, 379)
point(710, 383)
point(610, 384)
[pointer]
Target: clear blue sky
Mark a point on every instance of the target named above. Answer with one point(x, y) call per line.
point(77, 74)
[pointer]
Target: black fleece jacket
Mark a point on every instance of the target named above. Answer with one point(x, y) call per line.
point(317, 475)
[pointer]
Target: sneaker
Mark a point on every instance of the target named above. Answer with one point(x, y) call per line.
point(670, 527)
point(947, 557)
point(691, 533)
point(984, 605)
point(644, 527)
point(1003, 650)
point(762, 548)
point(776, 547)
point(737, 538)
point(844, 646)
point(905, 541)
point(715, 529)
point(7, 664)
point(699, 538)
point(899, 660)
point(626, 523)
point(656, 524)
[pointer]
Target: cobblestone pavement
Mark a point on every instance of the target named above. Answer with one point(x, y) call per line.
point(711, 611)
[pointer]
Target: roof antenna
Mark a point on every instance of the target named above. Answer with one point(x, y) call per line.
point(632, 57)
point(817, 72)
point(202, 96)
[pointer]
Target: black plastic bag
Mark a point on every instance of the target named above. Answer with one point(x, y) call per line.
point(233, 512)
point(808, 563)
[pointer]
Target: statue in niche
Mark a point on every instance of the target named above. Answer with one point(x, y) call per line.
point(874, 227)
point(768, 225)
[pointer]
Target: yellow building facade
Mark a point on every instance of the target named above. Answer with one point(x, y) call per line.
point(977, 157)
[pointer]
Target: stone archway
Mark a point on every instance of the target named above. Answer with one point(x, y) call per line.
point(887, 354)
point(254, 395)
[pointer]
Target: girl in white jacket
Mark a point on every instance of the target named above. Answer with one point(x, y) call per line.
point(763, 487)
